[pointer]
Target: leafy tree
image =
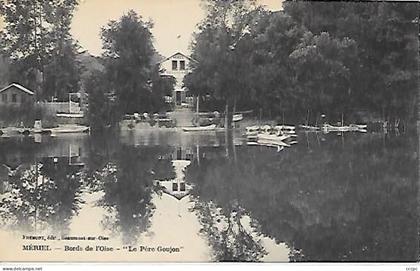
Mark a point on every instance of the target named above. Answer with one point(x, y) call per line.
point(273, 37)
point(161, 86)
point(218, 67)
point(384, 72)
point(322, 74)
point(128, 52)
point(40, 46)
point(4, 71)
point(102, 111)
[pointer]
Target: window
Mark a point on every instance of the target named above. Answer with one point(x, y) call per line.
point(174, 186)
point(4, 98)
point(182, 186)
point(174, 65)
point(179, 154)
point(182, 65)
point(14, 98)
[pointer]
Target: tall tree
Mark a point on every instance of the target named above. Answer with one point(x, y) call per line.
point(62, 73)
point(40, 46)
point(384, 75)
point(273, 37)
point(216, 49)
point(4, 70)
point(128, 52)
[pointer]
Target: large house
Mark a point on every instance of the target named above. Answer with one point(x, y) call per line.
point(178, 66)
point(15, 94)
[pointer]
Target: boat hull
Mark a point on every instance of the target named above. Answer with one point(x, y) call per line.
point(200, 129)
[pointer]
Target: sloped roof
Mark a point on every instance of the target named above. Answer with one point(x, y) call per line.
point(177, 53)
point(19, 87)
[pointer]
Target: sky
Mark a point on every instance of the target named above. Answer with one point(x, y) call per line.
point(174, 21)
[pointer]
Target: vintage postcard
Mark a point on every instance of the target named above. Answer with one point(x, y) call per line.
point(209, 131)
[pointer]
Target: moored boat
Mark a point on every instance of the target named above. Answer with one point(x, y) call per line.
point(309, 128)
point(326, 128)
point(237, 117)
point(271, 142)
point(211, 127)
point(69, 129)
point(272, 138)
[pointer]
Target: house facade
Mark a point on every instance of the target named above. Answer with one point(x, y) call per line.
point(16, 95)
point(177, 66)
point(177, 187)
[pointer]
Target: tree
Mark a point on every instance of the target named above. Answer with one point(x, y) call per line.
point(218, 67)
point(102, 102)
point(322, 74)
point(384, 74)
point(4, 71)
point(63, 71)
point(273, 37)
point(40, 47)
point(128, 52)
point(161, 86)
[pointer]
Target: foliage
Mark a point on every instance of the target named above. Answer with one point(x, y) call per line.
point(128, 52)
point(216, 51)
point(40, 46)
point(383, 72)
point(333, 58)
point(102, 102)
point(4, 71)
point(130, 81)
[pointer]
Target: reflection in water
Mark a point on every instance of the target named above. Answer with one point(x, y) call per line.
point(351, 200)
point(330, 198)
point(43, 194)
point(229, 239)
point(127, 183)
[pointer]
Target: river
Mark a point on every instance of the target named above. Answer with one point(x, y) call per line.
point(198, 197)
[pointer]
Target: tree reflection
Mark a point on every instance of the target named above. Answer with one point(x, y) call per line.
point(41, 194)
point(127, 183)
point(219, 210)
point(226, 234)
point(343, 199)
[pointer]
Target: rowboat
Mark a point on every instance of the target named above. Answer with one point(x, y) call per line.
point(309, 128)
point(330, 128)
point(251, 132)
point(358, 127)
point(361, 126)
point(279, 148)
point(272, 138)
point(285, 129)
point(237, 117)
point(69, 129)
point(70, 115)
point(200, 129)
point(271, 142)
point(326, 128)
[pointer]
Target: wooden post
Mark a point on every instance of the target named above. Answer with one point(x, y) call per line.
point(198, 110)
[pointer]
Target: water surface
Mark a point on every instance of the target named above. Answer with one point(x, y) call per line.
point(330, 197)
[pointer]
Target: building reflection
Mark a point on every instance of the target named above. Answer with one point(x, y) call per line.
point(338, 199)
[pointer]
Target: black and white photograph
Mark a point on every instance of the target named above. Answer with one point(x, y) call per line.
point(209, 131)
